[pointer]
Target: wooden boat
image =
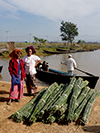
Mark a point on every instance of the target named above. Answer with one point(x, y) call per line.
point(70, 51)
point(59, 52)
point(62, 77)
point(1, 68)
point(58, 49)
point(55, 52)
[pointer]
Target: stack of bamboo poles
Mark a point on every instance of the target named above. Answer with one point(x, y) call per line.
point(62, 103)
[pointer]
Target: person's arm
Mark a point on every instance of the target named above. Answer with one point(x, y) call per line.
point(10, 67)
point(23, 75)
point(23, 60)
point(74, 63)
point(37, 63)
point(65, 62)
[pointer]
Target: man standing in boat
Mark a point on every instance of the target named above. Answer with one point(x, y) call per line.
point(71, 64)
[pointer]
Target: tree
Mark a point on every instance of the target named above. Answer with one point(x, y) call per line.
point(69, 31)
point(35, 38)
point(40, 40)
point(79, 42)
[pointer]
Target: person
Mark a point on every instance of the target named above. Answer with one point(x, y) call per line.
point(31, 61)
point(45, 66)
point(71, 64)
point(16, 70)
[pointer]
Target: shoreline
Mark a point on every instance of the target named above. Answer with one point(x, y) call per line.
point(6, 82)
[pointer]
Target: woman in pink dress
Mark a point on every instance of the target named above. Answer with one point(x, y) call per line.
point(16, 70)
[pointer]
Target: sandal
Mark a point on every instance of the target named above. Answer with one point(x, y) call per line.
point(12, 100)
point(8, 103)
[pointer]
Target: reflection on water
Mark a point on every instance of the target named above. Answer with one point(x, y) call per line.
point(87, 61)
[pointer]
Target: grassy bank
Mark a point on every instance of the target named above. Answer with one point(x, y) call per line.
point(47, 46)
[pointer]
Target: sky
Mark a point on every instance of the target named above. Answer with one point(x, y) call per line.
point(20, 20)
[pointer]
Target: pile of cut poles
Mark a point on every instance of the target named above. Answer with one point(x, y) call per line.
point(64, 103)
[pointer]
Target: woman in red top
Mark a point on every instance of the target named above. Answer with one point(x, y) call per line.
point(16, 70)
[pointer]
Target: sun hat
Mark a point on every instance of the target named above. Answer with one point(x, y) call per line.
point(69, 55)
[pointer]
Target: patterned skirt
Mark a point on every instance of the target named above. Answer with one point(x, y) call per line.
point(16, 93)
point(31, 83)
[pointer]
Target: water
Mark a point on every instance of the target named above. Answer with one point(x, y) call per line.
point(86, 61)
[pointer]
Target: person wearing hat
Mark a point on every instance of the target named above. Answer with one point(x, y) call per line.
point(71, 64)
point(16, 70)
point(30, 63)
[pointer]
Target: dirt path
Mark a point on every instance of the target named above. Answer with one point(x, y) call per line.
point(8, 126)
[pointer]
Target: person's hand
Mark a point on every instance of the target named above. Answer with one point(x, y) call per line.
point(33, 77)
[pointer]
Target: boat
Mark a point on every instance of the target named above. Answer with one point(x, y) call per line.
point(58, 49)
point(52, 76)
point(60, 52)
point(1, 68)
point(67, 51)
point(55, 52)
point(71, 51)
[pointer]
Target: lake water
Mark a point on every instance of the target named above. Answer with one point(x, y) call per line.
point(87, 61)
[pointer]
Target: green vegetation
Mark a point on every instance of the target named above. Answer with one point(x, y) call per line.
point(47, 46)
point(40, 40)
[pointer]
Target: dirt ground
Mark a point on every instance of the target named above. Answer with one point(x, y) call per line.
point(8, 126)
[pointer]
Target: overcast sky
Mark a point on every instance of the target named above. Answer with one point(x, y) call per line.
point(24, 19)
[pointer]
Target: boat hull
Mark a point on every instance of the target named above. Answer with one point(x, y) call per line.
point(1, 68)
point(55, 52)
point(51, 77)
point(67, 51)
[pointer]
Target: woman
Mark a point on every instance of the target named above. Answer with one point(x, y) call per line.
point(30, 62)
point(16, 70)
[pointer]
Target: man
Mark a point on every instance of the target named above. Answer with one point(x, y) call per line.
point(71, 64)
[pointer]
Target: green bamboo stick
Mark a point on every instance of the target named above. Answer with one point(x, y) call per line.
point(62, 118)
point(82, 96)
point(80, 108)
point(63, 99)
point(43, 100)
point(51, 119)
point(88, 107)
point(62, 109)
point(18, 116)
point(53, 97)
point(76, 92)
